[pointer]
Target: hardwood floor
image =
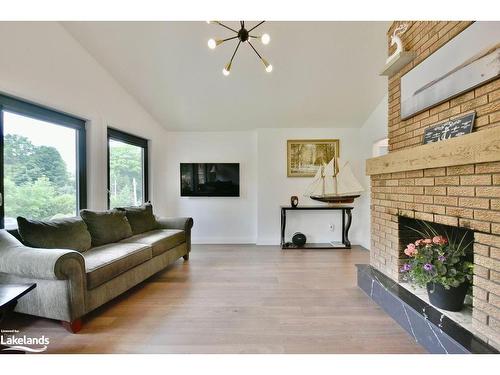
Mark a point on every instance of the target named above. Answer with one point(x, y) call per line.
point(238, 299)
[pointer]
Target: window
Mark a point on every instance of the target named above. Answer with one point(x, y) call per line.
point(42, 165)
point(127, 169)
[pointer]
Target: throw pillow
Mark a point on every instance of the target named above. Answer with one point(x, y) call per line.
point(67, 233)
point(106, 226)
point(141, 218)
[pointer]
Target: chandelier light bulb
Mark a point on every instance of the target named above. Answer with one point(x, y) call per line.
point(269, 67)
point(265, 38)
point(212, 43)
point(227, 69)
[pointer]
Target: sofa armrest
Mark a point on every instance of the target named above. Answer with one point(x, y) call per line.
point(183, 223)
point(35, 263)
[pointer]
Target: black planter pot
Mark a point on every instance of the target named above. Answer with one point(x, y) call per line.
point(448, 299)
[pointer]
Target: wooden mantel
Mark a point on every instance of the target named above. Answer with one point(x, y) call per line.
point(479, 147)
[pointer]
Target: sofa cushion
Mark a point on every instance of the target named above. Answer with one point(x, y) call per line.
point(160, 240)
point(68, 233)
point(106, 226)
point(105, 262)
point(141, 218)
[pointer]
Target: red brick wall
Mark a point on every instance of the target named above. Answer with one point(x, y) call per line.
point(425, 38)
point(466, 196)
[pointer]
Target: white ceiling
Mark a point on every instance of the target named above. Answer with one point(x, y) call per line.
point(325, 73)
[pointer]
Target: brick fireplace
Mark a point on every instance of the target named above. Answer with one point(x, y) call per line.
point(454, 182)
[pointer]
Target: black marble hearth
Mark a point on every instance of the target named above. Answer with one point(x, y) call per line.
point(428, 326)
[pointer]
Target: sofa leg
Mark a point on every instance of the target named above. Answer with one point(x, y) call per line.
point(73, 326)
point(186, 257)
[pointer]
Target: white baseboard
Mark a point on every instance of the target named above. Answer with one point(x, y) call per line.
point(268, 242)
point(222, 240)
point(242, 240)
point(277, 243)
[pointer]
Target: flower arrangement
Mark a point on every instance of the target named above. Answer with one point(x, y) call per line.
point(437, 260)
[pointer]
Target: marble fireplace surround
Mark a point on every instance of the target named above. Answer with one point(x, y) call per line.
point(426, 182)
point(428, 326)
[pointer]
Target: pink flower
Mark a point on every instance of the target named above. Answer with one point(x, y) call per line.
point(418, 242)
point(427, 241)
point(411, 250)
point(439, 240)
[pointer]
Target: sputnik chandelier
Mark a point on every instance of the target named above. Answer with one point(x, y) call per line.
point(243, 35)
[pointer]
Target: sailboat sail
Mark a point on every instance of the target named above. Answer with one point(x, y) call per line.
point(335, 179)
point(346, 182)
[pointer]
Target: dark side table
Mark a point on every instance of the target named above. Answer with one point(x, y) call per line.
point(346, 225)
point(9, 295)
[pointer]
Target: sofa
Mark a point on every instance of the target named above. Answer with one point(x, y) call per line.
point(73, 280)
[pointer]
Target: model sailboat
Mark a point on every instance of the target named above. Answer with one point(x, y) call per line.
point(334, 183)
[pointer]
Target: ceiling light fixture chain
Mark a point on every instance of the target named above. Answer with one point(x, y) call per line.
point(244, 36)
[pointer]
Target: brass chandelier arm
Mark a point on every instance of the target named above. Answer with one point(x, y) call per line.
point(260, 23)
point(234, 53)
point(227, 27)
point(225, 40)
point(251, 45)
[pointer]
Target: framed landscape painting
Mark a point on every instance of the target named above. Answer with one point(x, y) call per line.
point(304, 156)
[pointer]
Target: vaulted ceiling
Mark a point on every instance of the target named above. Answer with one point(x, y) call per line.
point(325, 73)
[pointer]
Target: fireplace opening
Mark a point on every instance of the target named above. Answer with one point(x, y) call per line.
point(410, 230)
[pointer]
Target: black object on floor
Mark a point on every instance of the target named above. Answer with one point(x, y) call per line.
point(299, 239)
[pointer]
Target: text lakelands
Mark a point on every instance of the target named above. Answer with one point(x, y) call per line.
point(24, 340)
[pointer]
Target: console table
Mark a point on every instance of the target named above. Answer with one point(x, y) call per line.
point(346, 225)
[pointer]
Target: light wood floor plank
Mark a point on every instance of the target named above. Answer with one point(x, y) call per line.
point(238, 299)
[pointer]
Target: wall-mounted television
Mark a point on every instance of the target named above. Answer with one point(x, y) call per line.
point(210, 179)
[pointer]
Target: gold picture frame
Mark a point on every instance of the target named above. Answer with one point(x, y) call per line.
point(304, 156)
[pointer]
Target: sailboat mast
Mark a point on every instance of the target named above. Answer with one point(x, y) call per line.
point(323, 179)
point(335, 166)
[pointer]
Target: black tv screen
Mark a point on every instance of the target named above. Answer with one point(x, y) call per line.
point(210, 179)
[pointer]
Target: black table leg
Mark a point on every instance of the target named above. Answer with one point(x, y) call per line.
point(283, 225)
point(3, 314)
point(343, 226)
point(345, 236)
point(6, 310)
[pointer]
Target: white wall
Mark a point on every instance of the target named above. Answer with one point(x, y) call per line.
point(275, 188)
point(41, 62)
point(373, 130)
point(217, 219)
point(255, 216)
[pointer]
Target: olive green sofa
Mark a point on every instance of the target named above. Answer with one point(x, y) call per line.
point(72, 283)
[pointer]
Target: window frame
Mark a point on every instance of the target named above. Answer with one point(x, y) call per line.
point(38, 112)
point(121, 136)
